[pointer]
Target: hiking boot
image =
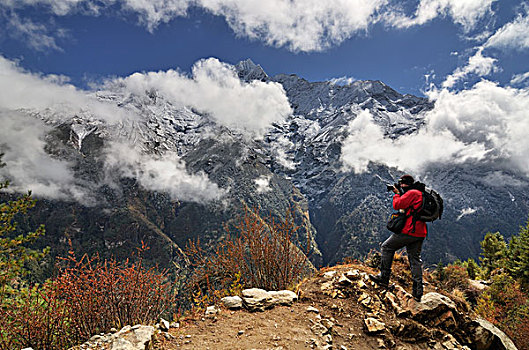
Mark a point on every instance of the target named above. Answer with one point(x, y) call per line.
point(417, 298)
point(378, 279)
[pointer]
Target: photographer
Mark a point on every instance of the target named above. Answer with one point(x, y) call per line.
point(406, 199)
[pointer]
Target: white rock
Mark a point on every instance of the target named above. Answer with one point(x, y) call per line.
point(374, 325)
point(232, 302)
point(283, 297)
point(211, 311)
point(353, 274)
point(313, 309)
point(164, 325)
point(256, 299)
point(329, 274)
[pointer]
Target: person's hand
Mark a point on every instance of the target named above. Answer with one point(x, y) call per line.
point(395, 190)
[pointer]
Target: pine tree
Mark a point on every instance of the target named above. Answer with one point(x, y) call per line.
point(493, 251)
point(518, 256)
point(14, 251)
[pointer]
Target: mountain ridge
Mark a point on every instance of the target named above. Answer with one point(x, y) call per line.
point(297, 164)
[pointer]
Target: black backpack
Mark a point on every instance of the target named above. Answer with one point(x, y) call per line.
point(432, 204)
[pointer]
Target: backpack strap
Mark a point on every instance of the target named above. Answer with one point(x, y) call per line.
point(413, 212)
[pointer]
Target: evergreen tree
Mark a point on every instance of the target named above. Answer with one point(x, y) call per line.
point(493, 251)
point(518, 256)
point(14, 251)
point(472, 267)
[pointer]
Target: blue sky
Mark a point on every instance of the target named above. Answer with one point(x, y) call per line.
point(399, 43)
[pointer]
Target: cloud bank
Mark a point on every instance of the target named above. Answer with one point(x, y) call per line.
point(214, 88)
point(166, 173)
point(299, 25)
point(25, 90)
point(487, 123)
point(29, 166)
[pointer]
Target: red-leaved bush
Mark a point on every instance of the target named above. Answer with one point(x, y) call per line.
point(89, 296)
point(260, 254)
point(105, 294)
point(37, 318)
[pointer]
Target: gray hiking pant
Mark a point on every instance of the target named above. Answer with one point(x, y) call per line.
point(413, 248)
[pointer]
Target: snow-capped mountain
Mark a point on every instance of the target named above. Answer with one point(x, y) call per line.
point(123, 197)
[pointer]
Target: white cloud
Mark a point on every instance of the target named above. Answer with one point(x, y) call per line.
point(488, 123)
point(519, 78)
point(299, 25)
point(36, 35)
point(309, 25)
point(366, 143)
point(214, 88)
point(25, 90)
point(466, 13)
point(29, 167)
point(494, 116)
point(342, 80)
point(166, 174)
point(513, 35)
point(478, 64)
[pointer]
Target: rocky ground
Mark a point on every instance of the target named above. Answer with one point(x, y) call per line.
point(338, 308)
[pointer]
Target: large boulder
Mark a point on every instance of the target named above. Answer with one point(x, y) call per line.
point(486, 336)
point(255, 299)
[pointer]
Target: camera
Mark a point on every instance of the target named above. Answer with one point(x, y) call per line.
point(390, 187)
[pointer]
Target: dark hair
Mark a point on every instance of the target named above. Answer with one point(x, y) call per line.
point(407, 180)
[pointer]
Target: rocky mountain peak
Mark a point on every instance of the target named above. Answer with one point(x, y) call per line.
point(248, 71)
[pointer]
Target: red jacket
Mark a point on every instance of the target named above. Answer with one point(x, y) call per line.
point(411, 199)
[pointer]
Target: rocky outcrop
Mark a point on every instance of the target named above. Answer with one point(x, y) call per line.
point(488, 336)
point(394, 314)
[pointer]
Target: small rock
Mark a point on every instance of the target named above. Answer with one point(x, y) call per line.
point(329, 274)
point(313, 309)
point(95, 338)
point(211, 311)
point(241, 332)
point(373, 325)
point(344, 281)
point(319, 329)
point(164, 325)
point(327, 338)
point(361, 284)
point(327, 323)
point(256, 299)
point(381, 344)
point(232, 302)
point(174, 325)
point(352, 274)
point(113, 330)
point(326, 286)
